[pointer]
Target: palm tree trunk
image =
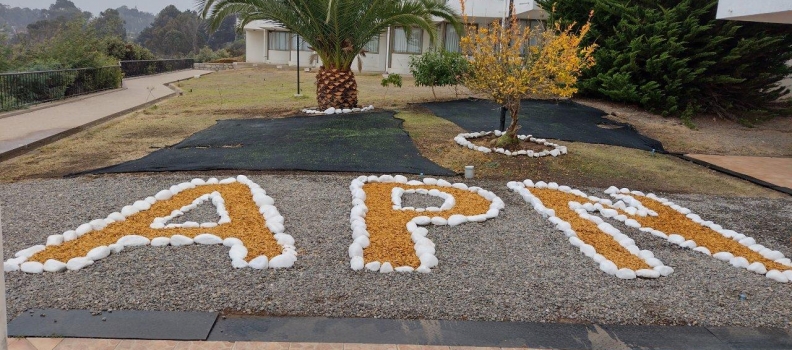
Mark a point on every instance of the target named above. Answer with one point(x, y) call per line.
point(336, 88)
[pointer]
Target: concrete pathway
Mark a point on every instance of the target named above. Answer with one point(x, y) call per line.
point(24, 131)
point(117, 344)
point(776, 171)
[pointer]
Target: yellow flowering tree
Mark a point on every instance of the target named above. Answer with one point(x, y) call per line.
point(513, 62)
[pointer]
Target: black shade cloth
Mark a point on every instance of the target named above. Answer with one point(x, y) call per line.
point(563, 120)
point(367, 142)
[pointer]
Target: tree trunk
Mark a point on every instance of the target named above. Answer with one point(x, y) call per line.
point(510, 136)
point(336, 88)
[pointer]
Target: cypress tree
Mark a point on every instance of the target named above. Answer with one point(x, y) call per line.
point(675, 58)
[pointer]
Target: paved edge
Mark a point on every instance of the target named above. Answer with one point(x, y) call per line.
point(209, 326)
point(120, 324)
point(736, 174)
point(36, 144)
point(45, 105)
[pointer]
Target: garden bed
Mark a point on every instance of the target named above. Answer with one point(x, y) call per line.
point(516, 267)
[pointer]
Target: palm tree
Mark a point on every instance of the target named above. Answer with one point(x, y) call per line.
point(336, 29)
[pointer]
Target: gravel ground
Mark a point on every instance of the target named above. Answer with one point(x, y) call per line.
point(513, 268)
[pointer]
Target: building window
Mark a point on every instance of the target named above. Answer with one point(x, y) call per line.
point(451, 39)
point(402, 45)
point(278, 41)
point(303, 45)
point(373, 45)
point(537, 28)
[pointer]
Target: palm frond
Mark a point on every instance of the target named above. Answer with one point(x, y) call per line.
point(337, 29)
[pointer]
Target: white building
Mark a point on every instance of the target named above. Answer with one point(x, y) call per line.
point(770, 11)
point(390, 52)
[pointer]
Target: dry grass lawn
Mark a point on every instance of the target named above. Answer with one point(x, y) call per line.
point(585, 165)
point(269, 93)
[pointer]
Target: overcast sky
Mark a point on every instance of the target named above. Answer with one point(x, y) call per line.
point(96, 6)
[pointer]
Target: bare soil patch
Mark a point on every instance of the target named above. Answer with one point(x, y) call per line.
point(713, 135)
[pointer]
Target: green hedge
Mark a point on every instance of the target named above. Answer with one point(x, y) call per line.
point(675, 58)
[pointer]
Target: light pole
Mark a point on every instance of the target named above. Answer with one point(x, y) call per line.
point(506, 22)
point(298, 94)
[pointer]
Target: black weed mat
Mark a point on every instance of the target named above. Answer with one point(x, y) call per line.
point(368, 142)
point(565, 120)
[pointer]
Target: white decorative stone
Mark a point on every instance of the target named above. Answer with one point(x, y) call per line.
point(160, 241)
point(98, 253)
point(206, 239)
point(608, 267)
point(758, 268)
point(355, 250)
point(83, 229)
point(75, 264)
point(439, 221)
point(231, 241)
point(32, 267)
point(282, 261)
point(52, 265)
point(772, 274)
point(259, 263)
point(54, 240)
point(456, 220)
point(664, 270)
point(239, 263)
point(373, 266)
point(386, 268)
point(238, 252)
point(179, 240)
point(133, 240)
point(357, 263)
point(428, 260)
point(647, 273)
point(625, 274)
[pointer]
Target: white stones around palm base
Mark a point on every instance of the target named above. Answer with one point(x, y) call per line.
point(605, 265)
point(464, 141)
point(333, 110)
point(424, 247)
point(266, 206)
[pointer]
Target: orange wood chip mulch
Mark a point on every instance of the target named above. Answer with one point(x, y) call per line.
point(586, 230)
point(668, 221)
point(390, 240)
point(247, 224)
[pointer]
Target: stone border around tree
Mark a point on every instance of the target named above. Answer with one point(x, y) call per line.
point(463, 140)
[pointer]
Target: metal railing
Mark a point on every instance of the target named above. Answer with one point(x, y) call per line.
point(22, 89)
point(140, 68)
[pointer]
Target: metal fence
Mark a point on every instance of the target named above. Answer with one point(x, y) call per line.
point(19, 90)
point(140, 68)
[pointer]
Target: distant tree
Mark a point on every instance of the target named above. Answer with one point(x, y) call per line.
point(134, 21)
point(54, 21)
point(17, 19)
point(224, 35)
point(5, 51)
point(237, 48)
point(109, 24)
point(174, 33)
point(66, 9)
point(123, 50)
